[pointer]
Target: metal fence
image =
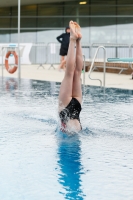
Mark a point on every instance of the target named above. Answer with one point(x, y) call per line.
point(38, 54)
point(53, 56)
point(42, 53)
point(131, 54)
point(112, 50)
point(48, 53)
point(86, 51)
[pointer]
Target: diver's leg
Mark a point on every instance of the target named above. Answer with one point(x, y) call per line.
point(65, 93)
point(77, 90)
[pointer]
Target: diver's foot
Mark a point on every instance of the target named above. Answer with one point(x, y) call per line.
point(78, 30)
point(73, 34)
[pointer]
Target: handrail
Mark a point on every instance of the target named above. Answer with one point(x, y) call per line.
point(104, 65)
point(130, 55)
point(83, 74)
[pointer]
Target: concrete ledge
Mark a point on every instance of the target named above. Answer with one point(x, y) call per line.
point(32, 72)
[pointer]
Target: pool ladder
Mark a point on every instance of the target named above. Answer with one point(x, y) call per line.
point(104, 66)
point(83, 74)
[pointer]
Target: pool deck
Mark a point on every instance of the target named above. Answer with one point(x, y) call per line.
point(33, 72)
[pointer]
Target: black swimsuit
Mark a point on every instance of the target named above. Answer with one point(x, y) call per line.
point(72, 111)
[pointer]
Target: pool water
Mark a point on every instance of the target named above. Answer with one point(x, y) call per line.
point(38, 162)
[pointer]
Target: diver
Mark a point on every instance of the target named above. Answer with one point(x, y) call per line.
point(70, 94)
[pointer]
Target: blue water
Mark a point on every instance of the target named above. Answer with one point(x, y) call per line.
point(38, 162)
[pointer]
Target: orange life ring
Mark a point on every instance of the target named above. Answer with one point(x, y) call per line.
point(8, 68)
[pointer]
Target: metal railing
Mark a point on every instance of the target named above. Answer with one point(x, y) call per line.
point(86, 51)
point(92, 65)
point(42, 53)
point(38, 54)
point(53, 56)
point(83, 75)
point(112, 51)
point(130, 55)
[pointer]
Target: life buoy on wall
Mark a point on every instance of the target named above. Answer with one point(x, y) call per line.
point(11, 70)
